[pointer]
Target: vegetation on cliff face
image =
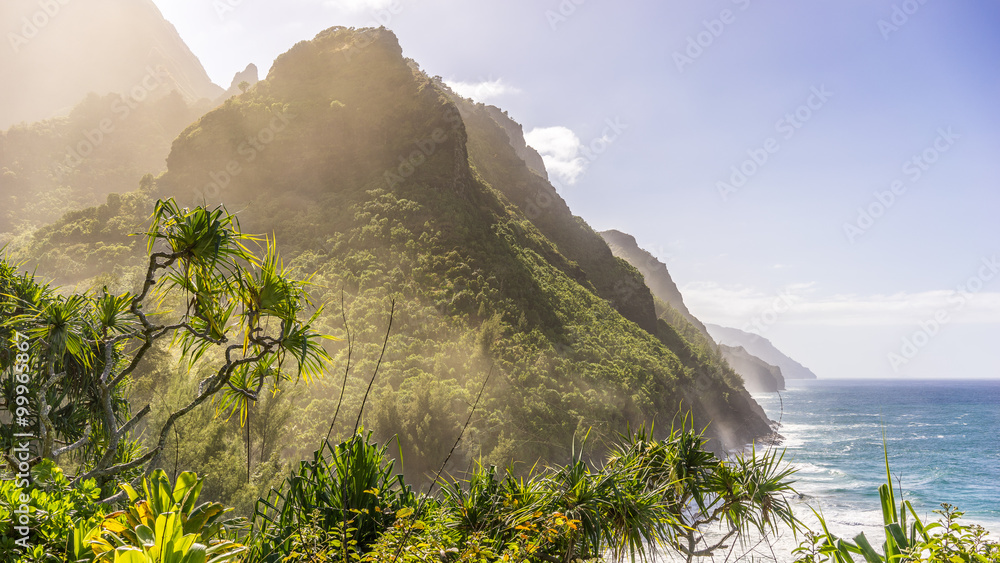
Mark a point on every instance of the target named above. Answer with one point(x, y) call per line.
point(77, 358)
point(755, 374)
point(383, 185)
point(105, 146)
point(758, 375)
point(654, 273)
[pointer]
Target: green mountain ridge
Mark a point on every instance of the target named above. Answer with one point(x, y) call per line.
point(386, 185)
point(105, 145)
point(758, 375)
point(653, 271)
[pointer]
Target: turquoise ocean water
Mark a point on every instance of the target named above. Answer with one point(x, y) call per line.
point(943, 441)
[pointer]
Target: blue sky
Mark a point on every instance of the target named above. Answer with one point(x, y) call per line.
point(828, 107)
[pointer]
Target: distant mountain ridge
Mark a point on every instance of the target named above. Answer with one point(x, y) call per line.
point(655, 272)
point(758, 375)
point(58, 52)
point(762, 348)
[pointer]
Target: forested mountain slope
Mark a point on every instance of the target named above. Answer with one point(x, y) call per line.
point(388, 187)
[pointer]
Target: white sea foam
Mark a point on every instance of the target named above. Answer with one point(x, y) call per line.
point(942, 454)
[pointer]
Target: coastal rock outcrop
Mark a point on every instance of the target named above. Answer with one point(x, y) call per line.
point(758, 375)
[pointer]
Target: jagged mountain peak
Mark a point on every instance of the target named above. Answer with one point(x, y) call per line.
point(250, 76)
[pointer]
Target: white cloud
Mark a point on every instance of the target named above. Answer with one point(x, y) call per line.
point(560, 150)
point(800, 305)
point(483, 90)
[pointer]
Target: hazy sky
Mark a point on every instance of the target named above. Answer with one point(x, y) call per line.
point(824, 171)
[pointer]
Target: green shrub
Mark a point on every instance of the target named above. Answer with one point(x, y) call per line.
point(347, 504)
point(351, 487)
point(166, 526)
point(55, 508)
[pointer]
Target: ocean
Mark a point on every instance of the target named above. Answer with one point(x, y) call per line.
point(943, 441)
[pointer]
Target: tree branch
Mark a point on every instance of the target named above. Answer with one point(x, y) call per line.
point(75, 445)
point(127, 427)
point(46, 427)
point(214, 385)
point(691, 552)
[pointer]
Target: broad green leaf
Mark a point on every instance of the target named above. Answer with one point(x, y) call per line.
point(130, 554)
point(871, 556)
point(145, 534)
point(185, 482)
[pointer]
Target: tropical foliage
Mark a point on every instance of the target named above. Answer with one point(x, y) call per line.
point(84, 348)
point(907, 538)
point(350, 487)
point(347, 502)
point(166, 525)
point(58, 514)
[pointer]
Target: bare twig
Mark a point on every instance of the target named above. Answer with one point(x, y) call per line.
point(420, 506)
point(385, 343)
point(347, 370)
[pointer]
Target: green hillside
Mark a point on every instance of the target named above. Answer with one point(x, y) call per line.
point(105, 145)
point(385, 186)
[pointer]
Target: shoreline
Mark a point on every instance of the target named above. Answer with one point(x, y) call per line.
point(941, 435)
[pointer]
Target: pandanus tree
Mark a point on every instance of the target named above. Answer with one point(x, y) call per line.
point(72, 356)
point(746, 494)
